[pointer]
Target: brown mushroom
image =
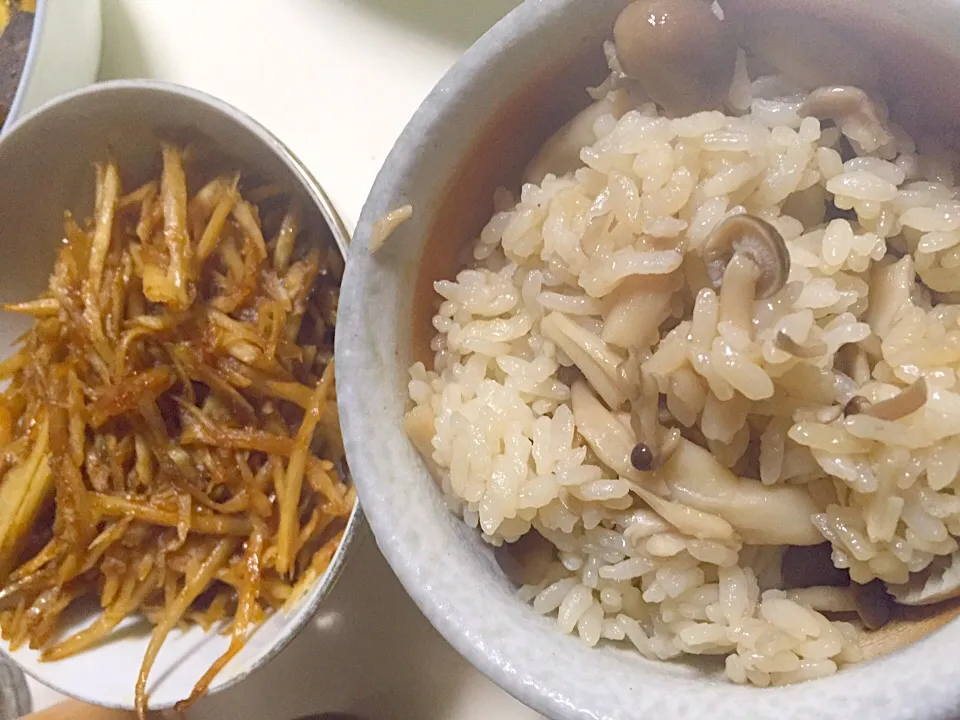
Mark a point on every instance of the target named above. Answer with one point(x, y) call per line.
point(678, 51)
point(648, 453)
point(853, 361)
point(874, 605)
point(789, 345)
point(641, 457)
point(806, 566)
point(856, 405)
point(853, 112)
point(753, 239)
point(901, 405)
point(761, 514)
point(526, 561)
point(837, 101)
point(938, 582)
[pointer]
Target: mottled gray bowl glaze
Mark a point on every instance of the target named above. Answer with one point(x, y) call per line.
point(476, 130)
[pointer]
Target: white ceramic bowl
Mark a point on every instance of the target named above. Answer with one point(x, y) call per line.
point(477, 130)
point(64, 54)
point(46, 167)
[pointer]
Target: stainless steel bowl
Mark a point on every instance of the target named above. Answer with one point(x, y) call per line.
point(14, 693)
point(64, 54)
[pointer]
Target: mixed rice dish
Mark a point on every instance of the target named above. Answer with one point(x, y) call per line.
point(698, 383)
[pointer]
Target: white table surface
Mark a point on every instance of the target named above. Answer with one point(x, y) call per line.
point(336, 80)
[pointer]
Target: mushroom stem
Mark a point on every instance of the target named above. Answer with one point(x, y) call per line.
point(689, 521)
point(899, 406)
point(604, 433)
point(789, 345)
point(595, 359)
point(752, 238)
point(847, 106)
point(738, 291)
point(761, 514)
point(645, 418)
point(855, 363)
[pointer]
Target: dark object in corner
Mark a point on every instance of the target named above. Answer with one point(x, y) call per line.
point(14, 44)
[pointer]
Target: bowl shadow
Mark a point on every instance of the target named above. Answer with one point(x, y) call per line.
point(367, 652)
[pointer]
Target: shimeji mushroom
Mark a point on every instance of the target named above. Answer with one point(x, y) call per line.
point(655, 442)
point(595, 359)
point(906, 402)
point(837, 102)
point(891, 283)
point(753, 239)
point(610, 441)
point(526, 561)
point(615, 444)
point(899, 406)
point(760, 514)
point(641, 457)
point(789, 345)
point(853, 112)
point(678, 51)
point(874, 605)
point(940, 581)
point(856, 405)
point(746, 260)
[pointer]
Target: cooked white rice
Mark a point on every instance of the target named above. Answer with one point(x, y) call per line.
point(597, 268)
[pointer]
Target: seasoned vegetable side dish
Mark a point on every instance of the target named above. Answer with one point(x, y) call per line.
point(169, 432)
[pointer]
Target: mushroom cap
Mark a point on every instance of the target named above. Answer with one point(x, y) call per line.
point(526, 561)
point(641, 457)
point(874, 605)
point(940, 581)
point(758, 240)
point(835, 101)
point(678, 51)
point(856, 405)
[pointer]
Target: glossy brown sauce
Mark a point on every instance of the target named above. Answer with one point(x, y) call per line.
point(917, 80)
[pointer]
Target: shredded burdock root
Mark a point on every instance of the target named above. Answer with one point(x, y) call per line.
point(170, 440)
point(385, 226)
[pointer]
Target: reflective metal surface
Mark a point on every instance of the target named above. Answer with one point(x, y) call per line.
point(14, 694)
